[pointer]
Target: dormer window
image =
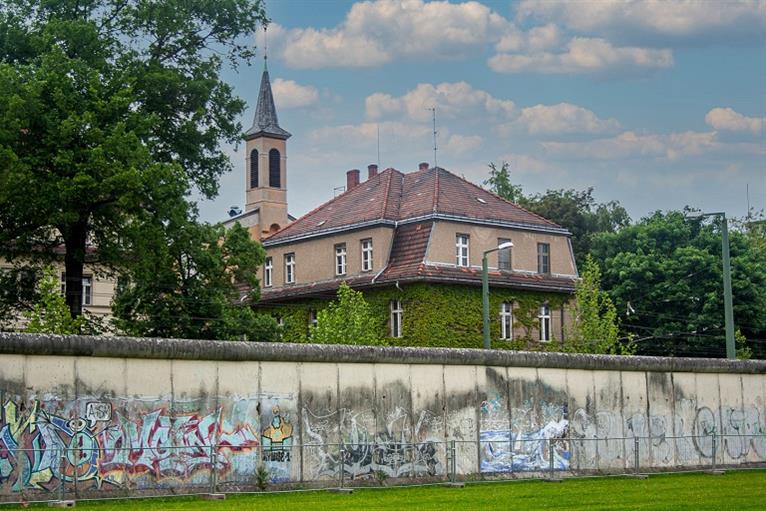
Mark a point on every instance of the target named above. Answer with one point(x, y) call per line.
point(340, 259)
point(367, 255)
point(275, 180)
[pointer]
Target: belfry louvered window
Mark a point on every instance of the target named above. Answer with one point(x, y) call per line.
point(274, 174)
point(254, 168)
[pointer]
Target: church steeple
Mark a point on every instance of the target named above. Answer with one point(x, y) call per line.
point(266, 122)
point(266, 164)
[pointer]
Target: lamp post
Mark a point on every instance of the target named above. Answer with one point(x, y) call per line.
point(485, 289)
point(728, 302)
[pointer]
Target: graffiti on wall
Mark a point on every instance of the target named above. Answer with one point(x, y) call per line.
point(537, 431)
point(395, 449)
point(43, 444)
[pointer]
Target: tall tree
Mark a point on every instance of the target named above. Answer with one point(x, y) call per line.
point(106, 107)
point(499, 182)
point(665, 276)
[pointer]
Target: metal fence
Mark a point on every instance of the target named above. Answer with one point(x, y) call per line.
point(78, 472)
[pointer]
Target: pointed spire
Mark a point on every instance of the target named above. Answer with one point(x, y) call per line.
point(266, 122)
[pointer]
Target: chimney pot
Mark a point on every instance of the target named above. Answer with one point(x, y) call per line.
point(372, 171)
point(352, 179)
point(423, 166)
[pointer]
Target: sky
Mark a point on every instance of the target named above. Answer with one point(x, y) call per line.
point(656, 104)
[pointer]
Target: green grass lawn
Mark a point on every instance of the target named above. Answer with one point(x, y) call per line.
point(744, 490)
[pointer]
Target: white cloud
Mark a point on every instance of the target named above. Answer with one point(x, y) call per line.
point(366, 134)
point(727, 119)
point(376, 32)
point(656, 21)
point(629, 145)
point(536, 39)
point(452, 100)
point(289, 94)
point(563, 118)
point(461, 144)
point(583, 55)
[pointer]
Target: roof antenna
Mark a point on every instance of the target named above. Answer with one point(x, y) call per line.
point(433, 116)
point(747, 192)
point(265, 47)
point(378, 145)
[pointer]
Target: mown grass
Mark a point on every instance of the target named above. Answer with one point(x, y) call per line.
point(744, 490)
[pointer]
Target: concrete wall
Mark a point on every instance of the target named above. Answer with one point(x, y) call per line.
point(148, 408)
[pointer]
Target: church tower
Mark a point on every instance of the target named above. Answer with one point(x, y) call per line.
point(266, 164)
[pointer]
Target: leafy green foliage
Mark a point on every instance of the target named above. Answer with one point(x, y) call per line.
point(499, 182)
point(435, 315)
point(183, 281)
point(106, 108)
point(346, 320)
point(50, 314)
point(262, 477)
point(595, 328)
point(665, 276)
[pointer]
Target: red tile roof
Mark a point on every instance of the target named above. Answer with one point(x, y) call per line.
point(392, 196)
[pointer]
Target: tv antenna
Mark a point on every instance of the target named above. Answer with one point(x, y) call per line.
point(433, 117)
point(378, 145)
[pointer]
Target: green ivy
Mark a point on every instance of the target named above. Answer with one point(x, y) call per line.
point(436, 315)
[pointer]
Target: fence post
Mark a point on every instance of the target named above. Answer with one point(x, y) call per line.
point(454, 460)
point(636, 459)
point(714, 451)
point(212, 469)
point(61, 459)
point(75, 472)
point(550, 456)
point(342, 463)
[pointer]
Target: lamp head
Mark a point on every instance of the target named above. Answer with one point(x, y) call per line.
point(505, 245)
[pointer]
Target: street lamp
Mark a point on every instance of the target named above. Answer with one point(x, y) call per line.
point(728, 305)
point(485, 289)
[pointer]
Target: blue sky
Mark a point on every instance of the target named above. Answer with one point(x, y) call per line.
point(657, 104)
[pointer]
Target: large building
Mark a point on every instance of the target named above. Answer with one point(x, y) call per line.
point(413, 243)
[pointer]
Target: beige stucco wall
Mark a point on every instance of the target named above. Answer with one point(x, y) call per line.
point(523, 254)
point(315, 258)
point(272, 202)
point(102, 293)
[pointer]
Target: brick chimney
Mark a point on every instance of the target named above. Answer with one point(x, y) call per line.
point(372, 171)
point(423, 166)
point(352, 179)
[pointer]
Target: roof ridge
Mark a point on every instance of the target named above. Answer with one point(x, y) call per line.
point(436, 191)
point(502, 198)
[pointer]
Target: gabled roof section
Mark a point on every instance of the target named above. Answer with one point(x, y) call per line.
point(393, 198)
point(372, 202)
point(266, 122)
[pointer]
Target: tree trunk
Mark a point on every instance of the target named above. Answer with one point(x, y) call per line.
point(74, 260)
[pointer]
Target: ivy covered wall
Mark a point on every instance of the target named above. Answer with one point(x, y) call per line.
point(438, 315)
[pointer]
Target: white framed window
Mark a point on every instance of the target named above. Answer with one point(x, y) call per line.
point(290, 268)
point(506, 321)
point(545, 322)
point(461, 250)
point(395, 321)
point(367, 255)
point(268, 272)
point(87, 288)
point(543, 258)
point(340, 259)
point(504, 255)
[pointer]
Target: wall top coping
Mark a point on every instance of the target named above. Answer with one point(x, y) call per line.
point(187, 349)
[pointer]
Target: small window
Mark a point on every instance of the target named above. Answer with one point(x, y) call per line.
point(340, 259)
point(395, 322)
point(545, 322)
point(268, 270)
point(367, 255)
point(87, 288)
point(275, 177)
point(504, 255)
point(506, 321)
point(461, 250)
point(289, 268)
point(543, 258)
point(254, 168)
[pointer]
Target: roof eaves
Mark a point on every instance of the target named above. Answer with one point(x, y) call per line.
point(550, 229)
point(269, 242)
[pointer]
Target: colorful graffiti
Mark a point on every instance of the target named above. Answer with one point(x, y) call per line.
point(40, 448)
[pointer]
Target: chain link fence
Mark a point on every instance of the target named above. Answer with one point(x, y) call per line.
point(78, 473)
